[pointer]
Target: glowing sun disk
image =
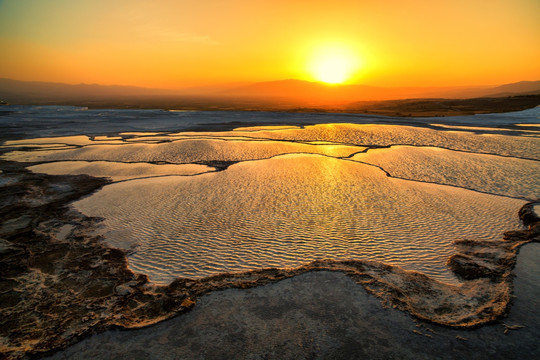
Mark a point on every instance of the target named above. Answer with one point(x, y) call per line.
point(333, 66)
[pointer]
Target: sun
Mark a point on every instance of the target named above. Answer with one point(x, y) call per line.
point(333, 64)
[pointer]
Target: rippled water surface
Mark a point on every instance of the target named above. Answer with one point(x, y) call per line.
point(313, 186)
point(385, 135)
point(289, 210)
point(186, 151)
point(118, 171)
point(488, 173)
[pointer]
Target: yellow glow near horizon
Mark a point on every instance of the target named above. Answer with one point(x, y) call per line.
point(180, 44)
point(333, 64)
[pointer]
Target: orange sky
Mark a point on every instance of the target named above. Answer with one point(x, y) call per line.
point(174, 44)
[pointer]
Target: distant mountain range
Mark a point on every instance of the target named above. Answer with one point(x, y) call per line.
point(285, 93)
point(10, 89)
point(298, 89)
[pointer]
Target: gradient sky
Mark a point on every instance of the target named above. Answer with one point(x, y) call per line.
point(174, 44)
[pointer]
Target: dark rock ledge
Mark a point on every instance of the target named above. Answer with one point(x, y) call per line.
point(60, 283)
point(494, 259)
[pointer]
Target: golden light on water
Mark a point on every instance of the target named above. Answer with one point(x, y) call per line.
point(333, 64)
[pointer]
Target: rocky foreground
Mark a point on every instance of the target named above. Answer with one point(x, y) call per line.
point(60, 283)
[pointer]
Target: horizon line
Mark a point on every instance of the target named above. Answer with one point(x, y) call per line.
point(234, 84)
